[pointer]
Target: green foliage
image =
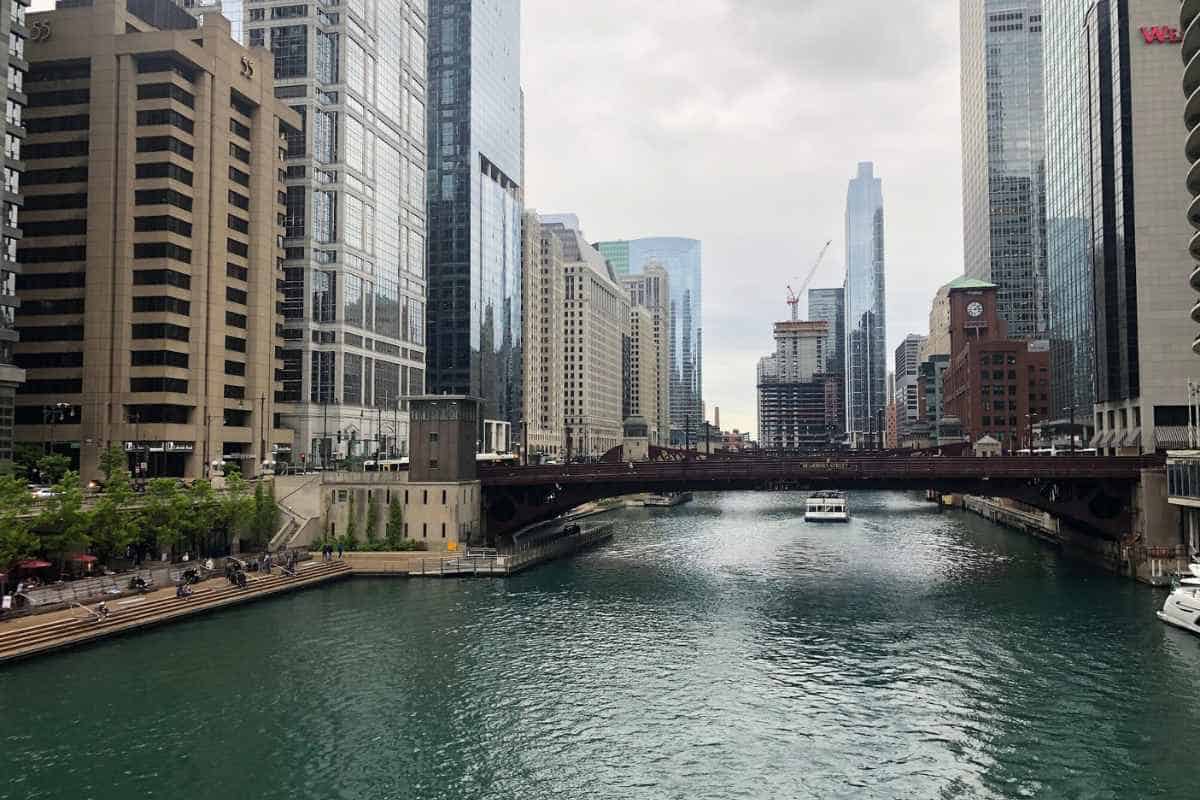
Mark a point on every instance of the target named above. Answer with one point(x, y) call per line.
point(25, 458)
point(372, 518)
point(236, 508)
point(64, 526)
point(395, 523)
point(162, 514)
point(352, 527)
point(16, 539)
point(113, 525)
point(53, 467)
point(112, 461)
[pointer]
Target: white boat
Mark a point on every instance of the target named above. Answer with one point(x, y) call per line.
point(1182, 608)
point(827, 507)
point(667, 500)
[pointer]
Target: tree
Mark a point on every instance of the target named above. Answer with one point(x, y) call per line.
point(161, 514)
point(372, 518)
point(112, 461)
point(395, 524)
point(114, 525)
point(199, 514)
point(16, 539)
point(25, 459)
point(64, 525)
point(353, 524)
point(236, 507)
point(53, 467)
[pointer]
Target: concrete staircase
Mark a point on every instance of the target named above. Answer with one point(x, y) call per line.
point(216, 593)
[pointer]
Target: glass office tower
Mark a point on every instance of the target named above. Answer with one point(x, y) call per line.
point(681, 258)
point(1068, 259)
point(865, 302)
point(475, 202)
point(1003, 145)
point(829, 305)
point(354, 269)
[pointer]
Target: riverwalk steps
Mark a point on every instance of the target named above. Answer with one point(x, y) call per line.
point(30, 636)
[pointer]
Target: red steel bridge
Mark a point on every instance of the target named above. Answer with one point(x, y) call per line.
point(1094, 493)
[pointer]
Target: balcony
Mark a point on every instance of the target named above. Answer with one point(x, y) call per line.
point(1191, 40)
point(1191, 76)
point(1193, 212)
point(1188, 11)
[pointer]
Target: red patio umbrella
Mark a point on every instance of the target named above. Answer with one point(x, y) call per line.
point(84, 558)
point(33, 563)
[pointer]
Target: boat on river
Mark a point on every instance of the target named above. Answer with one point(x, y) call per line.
point(1182, 608)
point(667, 500)
point(827, 507)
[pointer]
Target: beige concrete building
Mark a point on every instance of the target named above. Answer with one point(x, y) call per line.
point(153, 160)
point(542, 306)
point(1143, 333)
point(938, 341)
point(651, 290)
point(595, 338)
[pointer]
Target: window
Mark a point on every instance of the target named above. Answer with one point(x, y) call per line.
point(49, 255)
point(74, 122)
point(167, 144)
point(237, 176)
point(236, 368)
point(238, 224)
point(161, 277)
point(172, 305)
point(239, 273)
point(50, 280)
point(239, 129)
point(37, 308)
point(165, 170)
point(173, 385)
point(235, 320)
point(162, 223)
point(161, 330)
point(61, 227)
point(162, 250)
point(53, 333)
point(53, 202)
point(235, 295)
point(159, 358)
point(289, 43)
point(155, 91)
point(66, 360)
point(235, 392)
point(239, 200)
point(40, 177)
point(33, 152)
point(165, 116)
point(235, 344)
point(154, 197)
point(61, 97)
point(237, 248)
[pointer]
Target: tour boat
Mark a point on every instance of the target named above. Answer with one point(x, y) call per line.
point(667, 500)
point(1182, 608)
point(827, 507)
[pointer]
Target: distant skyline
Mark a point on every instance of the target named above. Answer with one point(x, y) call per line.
point(738, 124)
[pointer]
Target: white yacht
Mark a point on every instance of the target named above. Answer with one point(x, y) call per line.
point(1182, 608)
point(827, 507)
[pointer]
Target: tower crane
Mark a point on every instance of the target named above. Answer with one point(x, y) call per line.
point(793, 299)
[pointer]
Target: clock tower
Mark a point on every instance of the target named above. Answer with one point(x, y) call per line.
point(973, 313)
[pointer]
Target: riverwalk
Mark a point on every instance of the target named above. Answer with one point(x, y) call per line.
point(27, 636)
point(42, 633)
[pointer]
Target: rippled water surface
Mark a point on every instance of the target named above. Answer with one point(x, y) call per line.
point(719, 650)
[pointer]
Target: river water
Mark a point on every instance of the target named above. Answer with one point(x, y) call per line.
point(723, 649)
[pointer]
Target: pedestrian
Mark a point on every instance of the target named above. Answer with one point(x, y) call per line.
point(339, 550)
point(267, 563)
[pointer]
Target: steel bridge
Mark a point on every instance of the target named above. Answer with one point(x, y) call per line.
point(1094, 493)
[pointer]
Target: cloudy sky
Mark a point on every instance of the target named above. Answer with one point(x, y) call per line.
point(739, 123)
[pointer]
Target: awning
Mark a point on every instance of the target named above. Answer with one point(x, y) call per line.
point(83, 558)
point(1098, 439)
point(1171, 437)
point(1133, 438)
point(33, 563)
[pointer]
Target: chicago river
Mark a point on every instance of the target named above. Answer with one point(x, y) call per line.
point(722, 649)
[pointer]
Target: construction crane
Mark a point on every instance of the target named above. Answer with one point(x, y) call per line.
point(794, 294)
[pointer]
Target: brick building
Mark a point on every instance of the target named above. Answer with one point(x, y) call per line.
point(995, 386)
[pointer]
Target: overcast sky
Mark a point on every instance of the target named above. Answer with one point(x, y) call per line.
point(739, 123)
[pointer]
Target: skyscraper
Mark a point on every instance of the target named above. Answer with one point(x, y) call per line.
point(681, 258)
point(12, 25)
point(907, 375)
point(829, 306)
point(791, 393)
point(865, 293)
point(354, 269)
point(476, 167)
point(543, 275)
point(1068, 208)
point(652, 291)
point(1004, 170)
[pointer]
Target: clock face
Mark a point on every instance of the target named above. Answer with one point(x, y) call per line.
point(975, 309)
